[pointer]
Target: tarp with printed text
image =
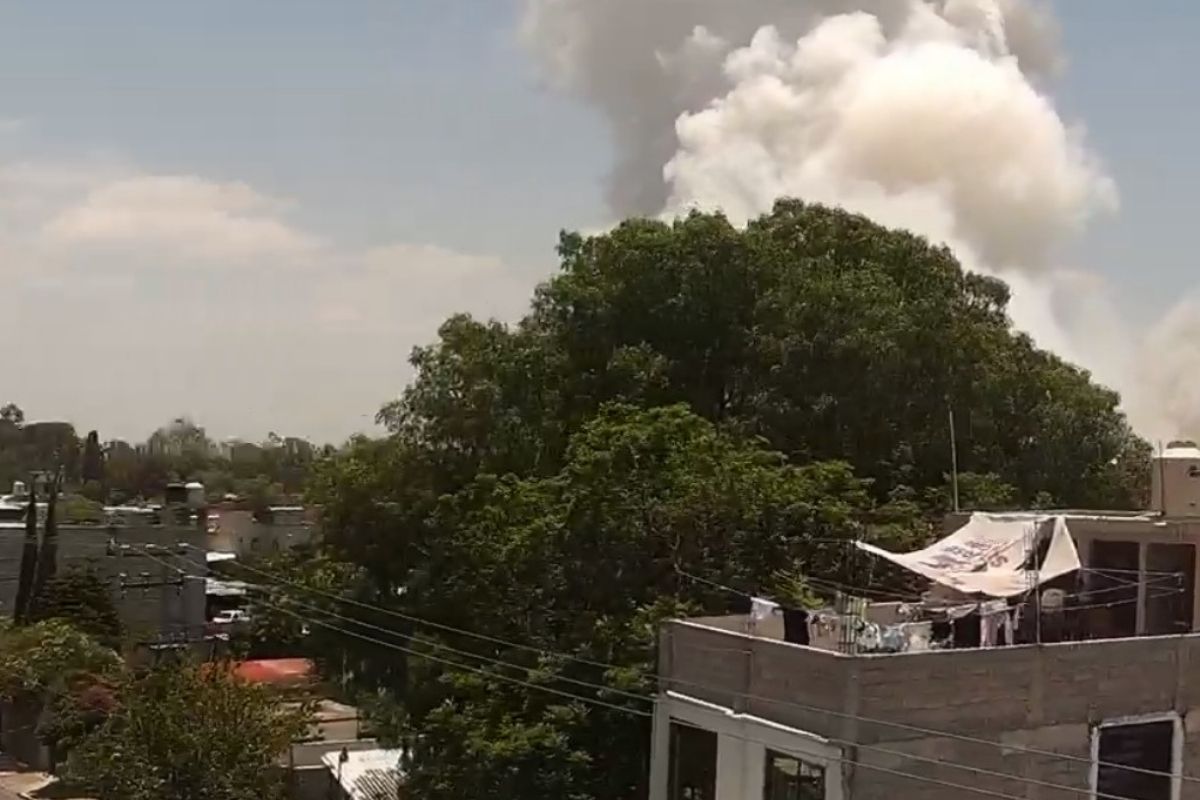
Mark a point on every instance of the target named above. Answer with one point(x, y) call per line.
point(993, 555)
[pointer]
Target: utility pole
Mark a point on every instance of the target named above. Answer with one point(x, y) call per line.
point(29, 557)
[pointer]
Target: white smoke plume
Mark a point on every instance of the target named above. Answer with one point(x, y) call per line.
point(933, 115)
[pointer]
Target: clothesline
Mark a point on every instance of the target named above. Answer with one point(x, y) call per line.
point(917, 599)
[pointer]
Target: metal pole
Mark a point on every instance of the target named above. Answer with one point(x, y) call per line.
point(953, 460)
point(1037, 591)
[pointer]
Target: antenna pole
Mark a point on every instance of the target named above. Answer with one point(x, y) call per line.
point(1162, 481)
point(953, 460)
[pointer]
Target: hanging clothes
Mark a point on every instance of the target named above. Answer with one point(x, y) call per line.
point(761, 610)
point(893, 639)
point(992, 616)
point(795, 626)
point(918, 636)
point(869, 638)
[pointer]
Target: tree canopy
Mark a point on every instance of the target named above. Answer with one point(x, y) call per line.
point(82, 599)
point(683, 399)
point(34, 658)
point(191, 733)
point(824, 333)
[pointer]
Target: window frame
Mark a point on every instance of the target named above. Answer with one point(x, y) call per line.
point(759, 735)
point(1177, 743)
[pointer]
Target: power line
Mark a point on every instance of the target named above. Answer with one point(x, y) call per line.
point(465, 667)
point(776, 701)
point(440, 645)
point(448, 628)
point(861, 746)
point(468, 654)
point(932, 781)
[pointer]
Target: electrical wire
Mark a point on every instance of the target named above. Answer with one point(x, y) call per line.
point(842, 760)
point(776, 701)
point(429, 623)
point(885, 751)
point(483, 658)
point(464, 667)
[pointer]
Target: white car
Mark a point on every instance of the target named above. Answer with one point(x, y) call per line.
point(231, 617)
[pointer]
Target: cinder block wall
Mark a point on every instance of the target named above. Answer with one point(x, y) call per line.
point(1046, 698)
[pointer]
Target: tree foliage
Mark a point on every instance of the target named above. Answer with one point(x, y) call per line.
point(272, 471)
point(828, 335)
point(682, 399)
point(82, 599)
point(92, 470)
point(278, 629)
point(33, 658)
point(189, 733)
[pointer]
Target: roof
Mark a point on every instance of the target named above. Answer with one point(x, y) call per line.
point(277, 672)
point(219, 588)
point(367, 774)
point(213, 556)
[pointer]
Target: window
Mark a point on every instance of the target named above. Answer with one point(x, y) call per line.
point(1115, 567)
point(789, 778)
point(1136, 760)
point(693, 773)
point(1170, 588)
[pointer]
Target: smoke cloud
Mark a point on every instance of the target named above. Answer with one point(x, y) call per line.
point(932, 115)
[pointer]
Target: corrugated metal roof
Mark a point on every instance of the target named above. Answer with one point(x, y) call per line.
point(367, 774)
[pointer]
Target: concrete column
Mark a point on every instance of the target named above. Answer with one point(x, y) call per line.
point(731, 768)
point(660, 750)
point(1141, 594)
point(755, 772)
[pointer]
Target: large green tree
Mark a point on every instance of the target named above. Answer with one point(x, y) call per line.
point(829, 335)
point(587, 561)
point(683, 398)
point(92, 469)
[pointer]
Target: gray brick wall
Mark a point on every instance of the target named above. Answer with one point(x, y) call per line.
point(1046, 698)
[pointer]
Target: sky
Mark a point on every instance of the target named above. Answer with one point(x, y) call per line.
point(250, 213)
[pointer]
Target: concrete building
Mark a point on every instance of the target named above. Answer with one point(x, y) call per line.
point(247, 534)
point(146, 555)
point(1094, 694)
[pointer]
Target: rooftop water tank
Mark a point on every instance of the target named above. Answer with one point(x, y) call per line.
point(1175, 480)
point(196, 497)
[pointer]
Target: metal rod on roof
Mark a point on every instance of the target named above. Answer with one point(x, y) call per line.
point(1162, 481)
point(953, 460)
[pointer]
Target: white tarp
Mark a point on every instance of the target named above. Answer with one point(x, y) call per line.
point(990, 553)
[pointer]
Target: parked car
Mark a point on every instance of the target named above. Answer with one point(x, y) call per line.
point(231, 617)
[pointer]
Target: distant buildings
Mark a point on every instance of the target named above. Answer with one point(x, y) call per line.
point(145, 554)
point(155, 557)
point(233, 529)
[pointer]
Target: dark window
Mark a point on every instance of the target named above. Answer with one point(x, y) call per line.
point(1170, 588)
point(790, 778)
point(1112, 582)
point(693, 763)
point(1147, 748)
